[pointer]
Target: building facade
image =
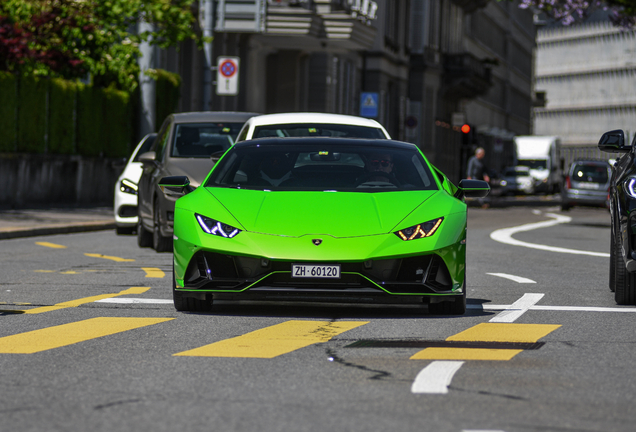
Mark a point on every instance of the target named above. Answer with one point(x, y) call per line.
point(587, 76)
point(429, 63)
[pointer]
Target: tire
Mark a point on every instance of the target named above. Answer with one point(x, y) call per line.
point(144, 237)
point(159, 242)
point(186, 304)
point(625, 293)
point(456, 307)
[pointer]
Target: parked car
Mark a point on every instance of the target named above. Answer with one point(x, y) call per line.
point(324, 219)
point(587, 183)
point(517, 180)
point(622, 201)
point(125, 206)
point(306, 124)
point(187, 144)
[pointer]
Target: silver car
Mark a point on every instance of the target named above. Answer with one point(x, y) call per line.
point(586, 184)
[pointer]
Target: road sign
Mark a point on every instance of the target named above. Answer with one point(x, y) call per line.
point(227, 76)
point(369, 105)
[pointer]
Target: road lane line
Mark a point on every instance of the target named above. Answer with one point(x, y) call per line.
point(128, 300)
point(276, 340)
point(153, 272)
point(517, 309)
point(514, 278)
point(487, 332)
point(489, 307)
point(436, 377)
point(78, 302)
point(505, 236)
point(69, 334)
point(113, 258)
point(50, 245)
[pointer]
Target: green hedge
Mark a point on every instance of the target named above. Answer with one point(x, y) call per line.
point(32, 115)
point(41, 115)
point(61, 117)
point(8, 112)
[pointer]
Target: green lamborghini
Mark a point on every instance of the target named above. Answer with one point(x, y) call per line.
point(325, 219)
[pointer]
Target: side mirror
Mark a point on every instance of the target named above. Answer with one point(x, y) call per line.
point(613, 142)
point(147, 158)
point(474, 188)
point(175, 186)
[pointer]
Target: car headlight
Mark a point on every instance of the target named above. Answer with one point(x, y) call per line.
point(216, 228)
point(418, 231)
point(127, 186)
point(631, 187)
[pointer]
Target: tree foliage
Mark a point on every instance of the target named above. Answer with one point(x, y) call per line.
point(621, 12)
point(97, 38)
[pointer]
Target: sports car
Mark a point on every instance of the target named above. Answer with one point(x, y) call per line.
point(326, 219)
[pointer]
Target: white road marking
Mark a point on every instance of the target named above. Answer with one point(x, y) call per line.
point(517, 279)
point(122, 300)
point(436, 377)
point(518, 308)
point(505, 236)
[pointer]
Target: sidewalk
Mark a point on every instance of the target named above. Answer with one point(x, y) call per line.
point(28, 223)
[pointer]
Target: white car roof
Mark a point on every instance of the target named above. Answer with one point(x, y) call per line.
point(311, 117)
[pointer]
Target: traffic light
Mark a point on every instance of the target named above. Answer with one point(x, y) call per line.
point(468, 133)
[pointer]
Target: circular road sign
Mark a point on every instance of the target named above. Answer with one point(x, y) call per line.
point(228, 68)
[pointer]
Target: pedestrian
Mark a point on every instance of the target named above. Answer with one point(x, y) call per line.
point(477, 170)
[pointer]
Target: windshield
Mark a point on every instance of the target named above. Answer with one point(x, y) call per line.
point(590, 173)
point(322, 167)
point(202, 140)
point(314, 129)
point(534, 163)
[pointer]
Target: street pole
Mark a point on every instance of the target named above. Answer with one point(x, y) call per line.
point(146, 83)
point(208, 32)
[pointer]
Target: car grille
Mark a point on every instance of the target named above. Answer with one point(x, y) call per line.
point(419, 274)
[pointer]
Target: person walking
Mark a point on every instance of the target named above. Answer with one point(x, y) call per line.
point(477, 170)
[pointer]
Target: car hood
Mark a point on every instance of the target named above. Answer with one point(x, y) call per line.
point(339, 214)
point(196, 169)
point(132, 172)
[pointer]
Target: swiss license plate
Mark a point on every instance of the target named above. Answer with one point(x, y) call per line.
point(322, 271)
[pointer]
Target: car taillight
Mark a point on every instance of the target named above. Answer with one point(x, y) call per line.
point(568, 184)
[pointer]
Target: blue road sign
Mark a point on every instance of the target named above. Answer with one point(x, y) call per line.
point(369, 104)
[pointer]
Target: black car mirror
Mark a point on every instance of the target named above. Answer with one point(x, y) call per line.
point(613, 142)
point(175, 186)
point(148, 157)
point(474, 188)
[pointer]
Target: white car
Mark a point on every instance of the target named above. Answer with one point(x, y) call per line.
point(311, 124)
point(125, 207)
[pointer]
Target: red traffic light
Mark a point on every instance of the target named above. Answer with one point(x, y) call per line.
point(465, 128)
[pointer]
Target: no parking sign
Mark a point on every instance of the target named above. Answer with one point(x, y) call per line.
point(227, 76)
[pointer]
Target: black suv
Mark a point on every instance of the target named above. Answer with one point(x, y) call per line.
point(622, 201)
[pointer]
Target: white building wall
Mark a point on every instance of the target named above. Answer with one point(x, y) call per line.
point(588, 73)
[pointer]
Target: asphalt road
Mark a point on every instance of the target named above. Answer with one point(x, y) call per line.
point(90, 341)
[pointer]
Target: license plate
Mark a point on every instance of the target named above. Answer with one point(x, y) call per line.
point(322, 271)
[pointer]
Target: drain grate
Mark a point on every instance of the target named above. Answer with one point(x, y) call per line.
point(444, 344)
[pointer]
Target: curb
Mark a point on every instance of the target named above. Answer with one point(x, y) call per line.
point(51, 230)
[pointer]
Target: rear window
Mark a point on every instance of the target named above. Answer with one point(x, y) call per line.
point(322, 130)
point(323, 167)
point(203, 139)
point(592, 173)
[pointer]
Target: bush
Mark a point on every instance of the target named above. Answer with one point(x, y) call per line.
point(117, 117)
point(32, 115)
point(8, 112)
point(61, 118)
point(167, 93)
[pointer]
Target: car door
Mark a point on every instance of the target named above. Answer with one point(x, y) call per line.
point(150, 171)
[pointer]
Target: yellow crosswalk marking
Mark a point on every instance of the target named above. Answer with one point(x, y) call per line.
point(68, 334)
point(50, 245)
point(152, 272)
point(75, 303)
point(112, 258)
point(276, 340)
point(488, 332)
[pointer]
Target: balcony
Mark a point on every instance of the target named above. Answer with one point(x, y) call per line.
point(465, 76)
point(471, 6)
